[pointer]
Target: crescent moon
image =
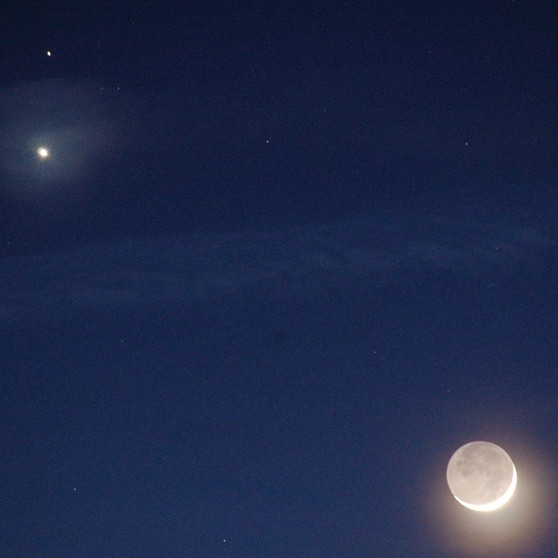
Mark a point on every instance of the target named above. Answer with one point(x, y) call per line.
point(481, 476)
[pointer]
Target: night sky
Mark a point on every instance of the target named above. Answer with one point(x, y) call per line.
point(279, 263)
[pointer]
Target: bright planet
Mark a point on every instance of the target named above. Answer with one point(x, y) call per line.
point(43, 152)
point(481, 476)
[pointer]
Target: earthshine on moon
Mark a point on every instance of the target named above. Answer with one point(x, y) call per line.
point(481, 476)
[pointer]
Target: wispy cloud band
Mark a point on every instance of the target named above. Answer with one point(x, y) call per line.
point(145, 272)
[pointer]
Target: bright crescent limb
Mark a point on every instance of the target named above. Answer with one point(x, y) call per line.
point(492, 506)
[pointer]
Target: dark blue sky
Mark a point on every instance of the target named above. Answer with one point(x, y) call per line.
point(279, 265)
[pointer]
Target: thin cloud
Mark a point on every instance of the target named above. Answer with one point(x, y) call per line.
point(191, 269)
